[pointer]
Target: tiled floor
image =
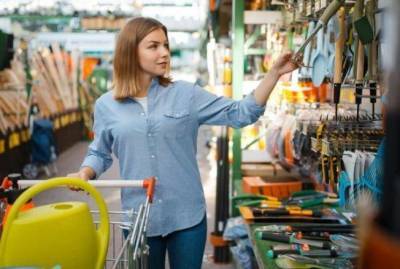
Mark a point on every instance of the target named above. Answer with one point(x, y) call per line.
point(70, 160)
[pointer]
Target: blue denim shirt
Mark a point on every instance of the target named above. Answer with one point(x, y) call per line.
point(163, 143)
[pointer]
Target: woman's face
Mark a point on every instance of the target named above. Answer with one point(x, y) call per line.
point(153, 52)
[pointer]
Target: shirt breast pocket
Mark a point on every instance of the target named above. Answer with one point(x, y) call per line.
point(175, 123)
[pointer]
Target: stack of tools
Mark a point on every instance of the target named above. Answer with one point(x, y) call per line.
point(305, 243)
point(301, 206)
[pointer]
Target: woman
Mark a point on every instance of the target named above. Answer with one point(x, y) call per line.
point(150, 123)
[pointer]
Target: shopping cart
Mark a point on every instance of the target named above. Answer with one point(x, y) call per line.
point(128, 246)
point(131, 251)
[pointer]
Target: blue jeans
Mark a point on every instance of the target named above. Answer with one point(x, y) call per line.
point(185, 248)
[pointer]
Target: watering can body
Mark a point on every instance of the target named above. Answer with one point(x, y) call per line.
point(56, 234)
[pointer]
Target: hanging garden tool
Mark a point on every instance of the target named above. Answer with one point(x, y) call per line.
point(357, 19)
point(339, 46)
point(322, 22)
point(307, 52)
point(372, 55)
point(319, 62)
point(361, 23)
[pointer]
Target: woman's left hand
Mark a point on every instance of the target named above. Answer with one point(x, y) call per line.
point(284, 64)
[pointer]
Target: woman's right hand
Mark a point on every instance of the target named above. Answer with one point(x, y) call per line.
point(84, 174)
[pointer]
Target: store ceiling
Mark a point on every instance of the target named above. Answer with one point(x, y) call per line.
point(91, 7)
point(177, 15)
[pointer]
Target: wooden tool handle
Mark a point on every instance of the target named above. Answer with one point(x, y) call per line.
point(360, 63)
point(339, 46)
point(330, 11)
point(373, 47)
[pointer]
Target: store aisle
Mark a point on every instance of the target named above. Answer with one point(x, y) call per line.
point(70, 160)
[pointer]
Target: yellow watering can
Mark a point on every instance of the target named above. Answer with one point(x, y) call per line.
point(56, 234)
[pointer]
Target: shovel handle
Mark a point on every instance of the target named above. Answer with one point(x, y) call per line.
point(360, 63)
point(330, 11)
point(339, 46)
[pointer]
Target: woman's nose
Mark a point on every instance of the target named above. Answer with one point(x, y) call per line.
point(164, 52)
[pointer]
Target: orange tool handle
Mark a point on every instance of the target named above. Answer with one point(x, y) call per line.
point(6, 184)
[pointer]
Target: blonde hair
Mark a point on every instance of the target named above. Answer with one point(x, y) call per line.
point(126, 62)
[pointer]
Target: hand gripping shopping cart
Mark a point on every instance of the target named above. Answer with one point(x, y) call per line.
point(129, 251)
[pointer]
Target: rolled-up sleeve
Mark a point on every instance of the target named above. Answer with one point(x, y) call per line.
point(218, 110)
point(99, 152)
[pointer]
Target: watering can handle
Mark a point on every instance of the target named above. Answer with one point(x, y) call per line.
point(103, 229)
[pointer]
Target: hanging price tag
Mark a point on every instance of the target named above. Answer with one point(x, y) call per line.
point(56, 123)
point(2, 146)
point(324, 3)
point(14, 140)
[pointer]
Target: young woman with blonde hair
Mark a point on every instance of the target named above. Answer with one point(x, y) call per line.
point(150, 123)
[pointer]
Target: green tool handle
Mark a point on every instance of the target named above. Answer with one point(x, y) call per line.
point(304, 193)
point(273, 237)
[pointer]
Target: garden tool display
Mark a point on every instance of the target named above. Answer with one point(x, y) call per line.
point(322, 22)
point(61, 230)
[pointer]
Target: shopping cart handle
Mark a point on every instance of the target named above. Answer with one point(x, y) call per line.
point(109, 183)
point(149, 184)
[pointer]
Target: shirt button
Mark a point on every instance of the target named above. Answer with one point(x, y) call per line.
point(152, 156)
point(149, 134)
point(142, 114)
